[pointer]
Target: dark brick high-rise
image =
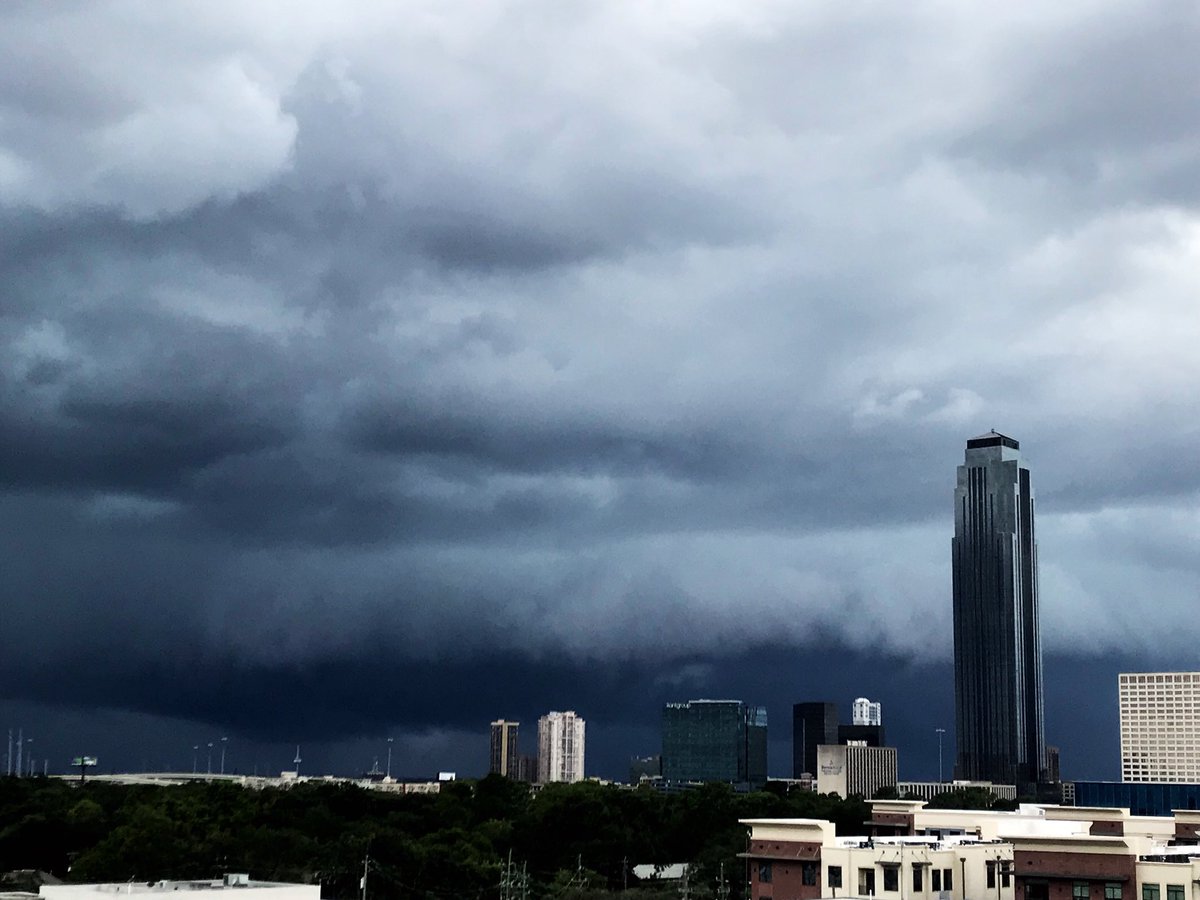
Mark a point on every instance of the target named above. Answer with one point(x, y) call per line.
point(997, 642)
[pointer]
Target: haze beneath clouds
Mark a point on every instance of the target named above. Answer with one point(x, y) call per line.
point(481, 358)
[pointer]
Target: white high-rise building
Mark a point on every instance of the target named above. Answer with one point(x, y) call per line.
point(560, 747)
point(865, 712)
point(1160, 726)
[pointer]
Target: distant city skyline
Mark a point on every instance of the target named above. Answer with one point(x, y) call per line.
point(1078, 706)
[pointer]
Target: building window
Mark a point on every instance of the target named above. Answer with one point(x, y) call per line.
point(1174, 892)
point(1112, 890)
point(1149, 892)
point(835, 876)
point(917, 888)
point(1079, 890)
point(764, 873)
point(935, 879)
point(891, 878)
point(808, 873)
point(866, 882)
point(1005, 871)
point(947, 879)
point(991, 873)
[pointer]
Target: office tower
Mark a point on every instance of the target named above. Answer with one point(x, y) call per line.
point(1053, 770)
point(527, 770)
point(756, 746)
point(813, 724)
point(504, 759)
point(714, 740)
point(864, 712)
point(1160, 726)
point(999, 722)
point(855, 770)
point(560, 747)
point(863, 735)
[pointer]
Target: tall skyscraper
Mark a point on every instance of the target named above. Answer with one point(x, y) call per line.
point(1160, 726)
point(560, 747)
point(714, 740)
point(999, 719)
point(813, 724)
point(504, 757)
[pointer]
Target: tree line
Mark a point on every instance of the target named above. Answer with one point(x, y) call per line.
point(576, 841)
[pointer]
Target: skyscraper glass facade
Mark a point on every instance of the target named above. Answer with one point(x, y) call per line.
point(714, 740)
point(813, 724)
point(997, 643)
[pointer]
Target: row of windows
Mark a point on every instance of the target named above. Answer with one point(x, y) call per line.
point(1150, 892)
point(1158, 678)
point(939, 879)
point(1081, 890)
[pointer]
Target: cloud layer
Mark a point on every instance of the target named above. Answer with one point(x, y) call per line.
point(618, 334)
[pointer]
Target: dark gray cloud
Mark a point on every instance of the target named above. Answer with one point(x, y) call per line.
point(565, 352)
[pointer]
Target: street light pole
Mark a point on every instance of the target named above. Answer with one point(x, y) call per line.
point(224, 741)
point(940, 732)
point(210, 743)
point(389, 765)
point(195, 757)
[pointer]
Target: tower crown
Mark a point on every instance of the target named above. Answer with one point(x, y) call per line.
point(993, 439)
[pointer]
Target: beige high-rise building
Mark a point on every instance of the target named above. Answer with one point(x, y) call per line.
point(1160, 726)
point(560, 747)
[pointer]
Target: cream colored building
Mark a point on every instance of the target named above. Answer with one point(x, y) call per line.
point(1160, 726)
point(1033, 853)
point(855, 769)
point(560, 747)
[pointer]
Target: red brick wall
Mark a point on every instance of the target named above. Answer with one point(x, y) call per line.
point(892, 823)
point(787, 859)
point(1062, 870)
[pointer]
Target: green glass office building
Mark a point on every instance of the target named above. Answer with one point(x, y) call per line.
point(714, 740)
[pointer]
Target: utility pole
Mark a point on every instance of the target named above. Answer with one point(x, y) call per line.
point(210, 743)
point(506, 879)
point(224, 741)
point(625, 873)
point(940, 732)
point(20, 744)
point(389, 765)
point(722, 888)
point(684, 890)
point(366, 868)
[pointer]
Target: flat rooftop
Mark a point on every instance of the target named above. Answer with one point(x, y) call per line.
point(229, 883)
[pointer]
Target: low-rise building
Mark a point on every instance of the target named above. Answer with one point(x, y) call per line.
point(927, 790)
point(1037, 852)
point(215, 889)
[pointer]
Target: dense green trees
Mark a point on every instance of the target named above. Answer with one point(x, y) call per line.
point(574, 841)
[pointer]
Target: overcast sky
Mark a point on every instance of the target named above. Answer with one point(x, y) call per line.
point(375, 368)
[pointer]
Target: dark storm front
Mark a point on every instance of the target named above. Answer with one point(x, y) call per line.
point(997, 643)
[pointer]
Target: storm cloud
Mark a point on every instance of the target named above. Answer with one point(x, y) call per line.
point(568, 349)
